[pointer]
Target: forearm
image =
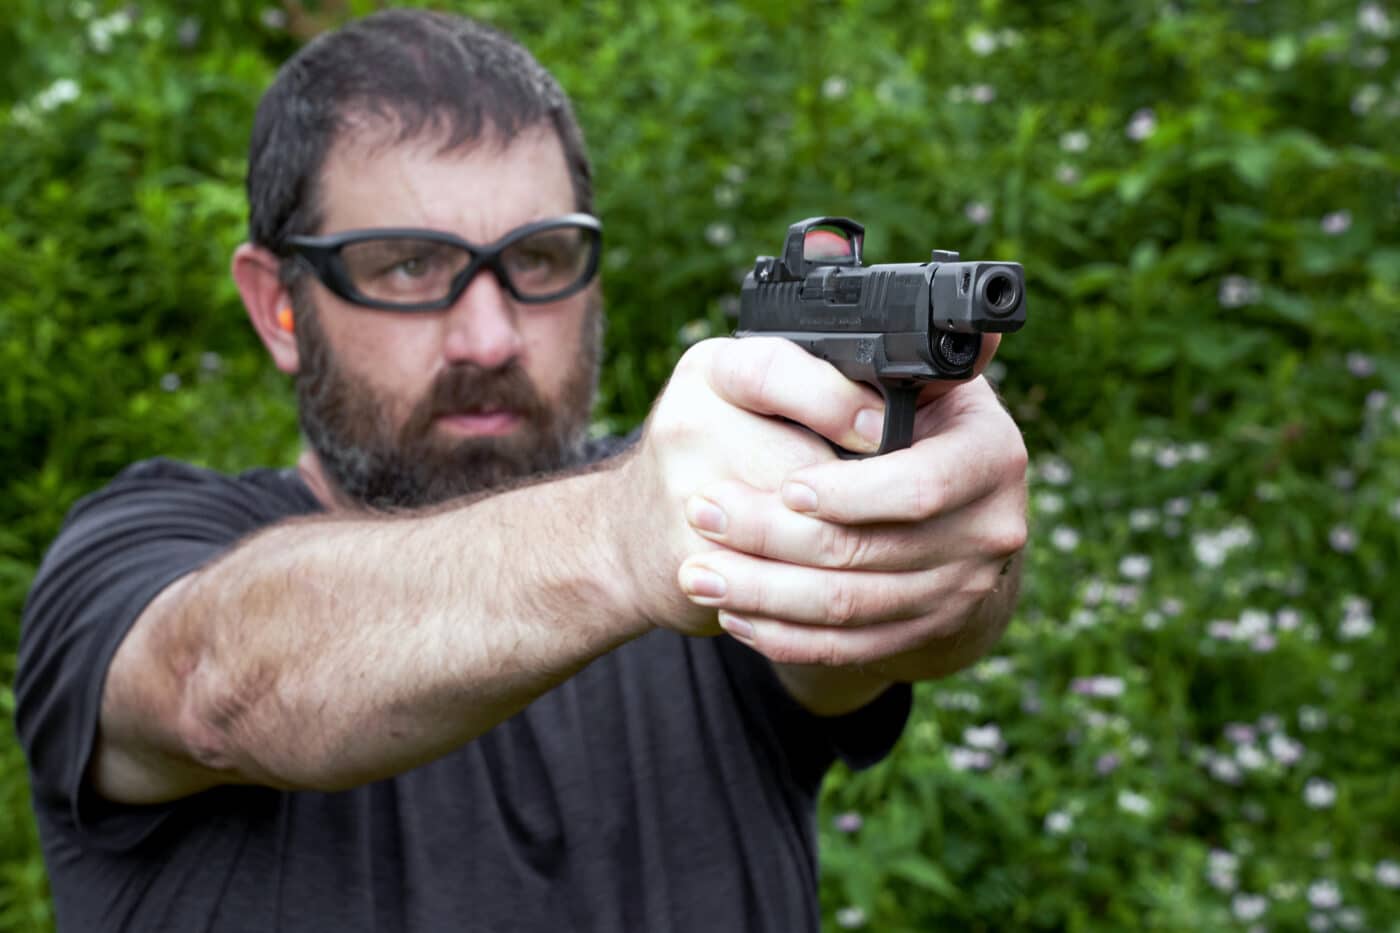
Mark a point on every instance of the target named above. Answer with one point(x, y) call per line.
point(332, 651)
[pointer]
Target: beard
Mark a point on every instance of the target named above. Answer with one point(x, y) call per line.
point(377, 465)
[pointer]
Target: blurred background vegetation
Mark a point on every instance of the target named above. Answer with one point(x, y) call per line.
point(1192, 724)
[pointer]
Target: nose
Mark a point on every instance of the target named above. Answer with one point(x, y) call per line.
point(482, 327)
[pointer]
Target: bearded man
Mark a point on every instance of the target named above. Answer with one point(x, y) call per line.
point(461, 668)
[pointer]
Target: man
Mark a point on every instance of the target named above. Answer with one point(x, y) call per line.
point(447, 673)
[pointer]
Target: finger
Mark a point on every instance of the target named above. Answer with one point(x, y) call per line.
point(746, 519)
point(977, 453)
point(747, 585)
point(784, 642)
point(773, 376)
point(941, 387)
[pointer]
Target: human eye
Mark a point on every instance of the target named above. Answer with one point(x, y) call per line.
point(545, 257)
point(395, 269)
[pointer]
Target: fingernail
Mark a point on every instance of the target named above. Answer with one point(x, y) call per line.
point(705, 515)
point(737, 627)
point(870, 425)
point(799, 498)
point(702, 583)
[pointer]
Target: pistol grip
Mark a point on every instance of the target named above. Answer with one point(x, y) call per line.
point(901, 402)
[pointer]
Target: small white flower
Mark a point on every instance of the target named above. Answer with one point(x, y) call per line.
point(1168, 457)
point(968, 759)
point(62, 91)
point(1287, 619)
point(835, 87)
point(735, 174)
point(1135, 567)
point(1360, 365)
point(1372, 18)
point(1286, 751)
point(1142, 519)
point(981, 42)
point(1319, 794)
point(982, 93)
point(1269, 724)
point(995, 667)
point(1324, 895)
point(1225, 770)
point(1133, 803)
point(1074, 141)
point(1066, 174)
point(1263, 644)
point(1177, 507)
point(1223, 881)
point(1355, 628)
point(1221, 629)
point(1349, 918)
point(1388, 874)
point(1252, 623)
point(987, 737)
point(170, 382)
point(1223, 860)
point(1237, 291)
point(1064, 538)
point(726, 195)
point(1239, 733)
point(1054, 471)
point(1365, 99)
point(1142, 125)
point(1050, 503)
point(1250, 757)
point(848, 822)
point(1248, 907)
point(1342, 538)
point(1319, 923)
point(1312, 719)
point(1058, 822)
point(1336, 223)
point(273, 18)
point(850, 918)
point(719, 234)
point(977, 212)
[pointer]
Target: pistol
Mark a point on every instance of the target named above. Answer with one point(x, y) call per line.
point(894, 325)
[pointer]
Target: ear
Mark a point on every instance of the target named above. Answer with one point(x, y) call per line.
point(255, 272)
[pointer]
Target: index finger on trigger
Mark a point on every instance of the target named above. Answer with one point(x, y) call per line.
point(935, 476)
point(773, 376)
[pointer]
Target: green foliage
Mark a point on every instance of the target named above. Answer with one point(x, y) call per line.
point(1206, 197)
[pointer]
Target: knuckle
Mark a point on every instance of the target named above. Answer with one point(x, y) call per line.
point(930, 492)
point(840, 546)
point(843, 602)
point(1007, 537)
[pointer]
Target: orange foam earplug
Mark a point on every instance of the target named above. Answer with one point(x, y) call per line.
point(284, 319)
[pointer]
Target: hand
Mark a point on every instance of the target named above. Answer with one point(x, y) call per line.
point(855, 562)
point(720, 421)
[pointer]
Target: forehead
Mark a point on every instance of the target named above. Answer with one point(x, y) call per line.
point(478, 191)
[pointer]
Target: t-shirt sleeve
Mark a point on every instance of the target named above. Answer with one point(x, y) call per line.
point(118, 548)
point(812, 743)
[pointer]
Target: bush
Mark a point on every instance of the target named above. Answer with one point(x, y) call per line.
point(1189, 724)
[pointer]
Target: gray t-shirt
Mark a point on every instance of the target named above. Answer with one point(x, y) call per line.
point(669, 786)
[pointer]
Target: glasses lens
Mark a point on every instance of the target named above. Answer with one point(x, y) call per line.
point(403, 270)
point(550, 261)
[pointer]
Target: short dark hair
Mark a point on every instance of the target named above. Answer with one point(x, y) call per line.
point(419, 72)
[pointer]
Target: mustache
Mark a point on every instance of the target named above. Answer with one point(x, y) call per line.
point(468, 388)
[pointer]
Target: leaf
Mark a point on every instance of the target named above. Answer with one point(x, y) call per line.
point(926, 875)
